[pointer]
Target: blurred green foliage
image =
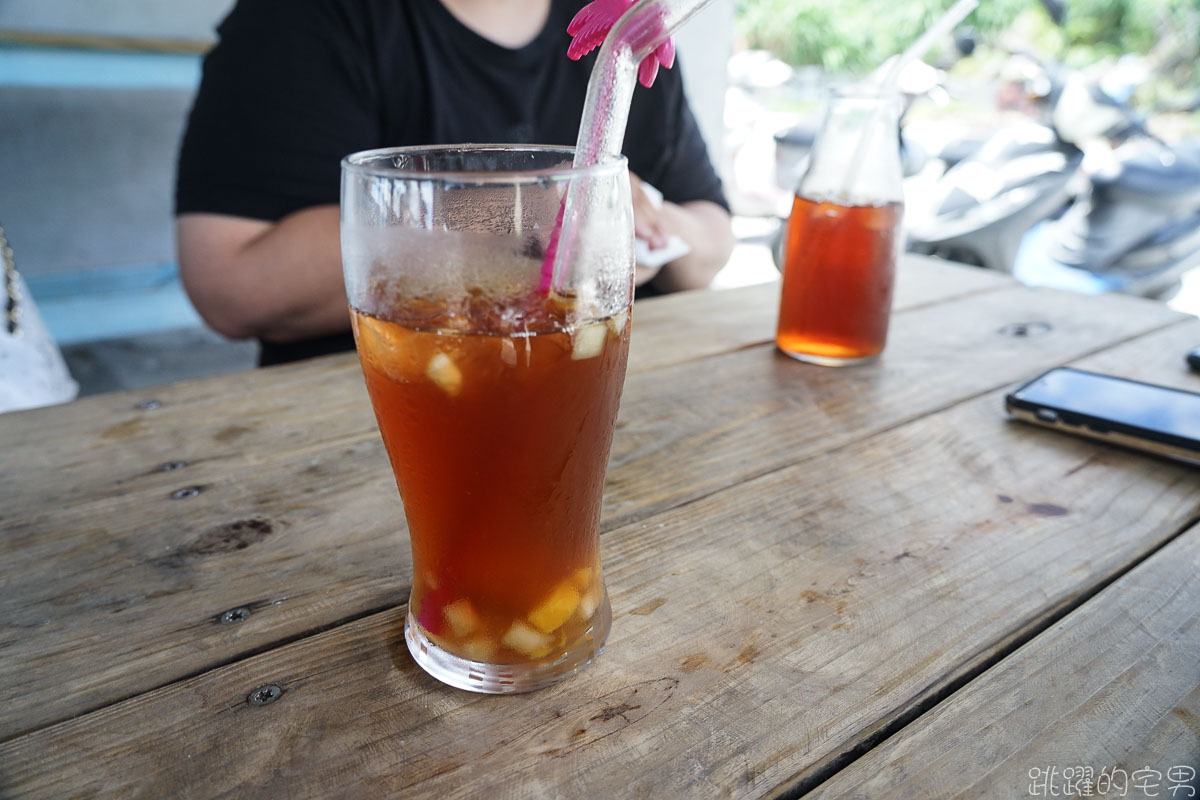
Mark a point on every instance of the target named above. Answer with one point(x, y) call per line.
point(856, 36)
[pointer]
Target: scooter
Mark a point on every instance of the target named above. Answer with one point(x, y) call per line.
point(978, 211)
point(1028, 203)
point(1136, 229)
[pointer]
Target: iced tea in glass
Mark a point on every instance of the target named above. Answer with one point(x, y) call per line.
point(844, 236)
point(496, 392)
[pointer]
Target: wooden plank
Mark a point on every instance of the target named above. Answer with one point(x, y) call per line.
point(761, 634)
point(249, 418)
point(694, 325)
point(699, 428)
point(309, 533)
point(106, 445)
point(1113, 688)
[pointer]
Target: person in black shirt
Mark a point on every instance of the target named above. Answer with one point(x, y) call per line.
point(294, 85)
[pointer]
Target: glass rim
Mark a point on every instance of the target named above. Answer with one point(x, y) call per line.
point(368, 163)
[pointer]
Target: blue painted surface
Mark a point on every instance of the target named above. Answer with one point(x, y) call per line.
point(1035, 267)
point(61, 68)
point(132, 278)
point(93, 305)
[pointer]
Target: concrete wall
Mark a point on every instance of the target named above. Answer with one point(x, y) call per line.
point(86, 175)
point(167, 19)
point(89, 138)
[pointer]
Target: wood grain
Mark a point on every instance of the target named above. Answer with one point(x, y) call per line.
point(164, 438)
point(250, 418)
point(1113, 686)
point(698, 428)
point(791, 617)
point(297, 522)
point(695, 325)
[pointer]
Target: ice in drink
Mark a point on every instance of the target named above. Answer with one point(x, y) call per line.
point(838, 272)
point(497, 417)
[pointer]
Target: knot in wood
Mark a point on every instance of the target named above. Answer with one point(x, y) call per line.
point(186, 492)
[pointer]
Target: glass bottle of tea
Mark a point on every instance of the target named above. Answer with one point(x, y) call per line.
point(844, 234)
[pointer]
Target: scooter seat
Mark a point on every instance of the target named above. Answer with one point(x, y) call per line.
point(1154, 176)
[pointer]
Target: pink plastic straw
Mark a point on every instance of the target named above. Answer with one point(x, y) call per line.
point(592, 24)
point(641, 33)
point(552, 250)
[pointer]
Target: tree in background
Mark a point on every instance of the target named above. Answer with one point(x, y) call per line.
point(855, 37)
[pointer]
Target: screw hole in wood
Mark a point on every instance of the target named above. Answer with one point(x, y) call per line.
point(1026, 330)
point(265, 695)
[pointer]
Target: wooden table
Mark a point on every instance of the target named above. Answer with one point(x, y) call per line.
point(857, 582)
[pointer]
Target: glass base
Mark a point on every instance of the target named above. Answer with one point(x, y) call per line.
point(475, 676)
point(828, 361)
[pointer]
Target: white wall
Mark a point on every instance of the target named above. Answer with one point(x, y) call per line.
point(704, 43)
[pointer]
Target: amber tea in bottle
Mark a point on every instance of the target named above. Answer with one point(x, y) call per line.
point(844, 235)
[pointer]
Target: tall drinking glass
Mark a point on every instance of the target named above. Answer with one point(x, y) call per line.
point(494, 355)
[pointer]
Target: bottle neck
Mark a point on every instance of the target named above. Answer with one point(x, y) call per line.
point(856, 156)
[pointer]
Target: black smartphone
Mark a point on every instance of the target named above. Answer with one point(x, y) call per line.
point(1143, 416)
point(1193, 358)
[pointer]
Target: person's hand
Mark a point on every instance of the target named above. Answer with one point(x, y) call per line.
point(648, 221)
point(643, 275)
point(648, 224)
point(702, 225)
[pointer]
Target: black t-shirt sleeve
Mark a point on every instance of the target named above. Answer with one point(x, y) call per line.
point(285, 94)
point(664, 145)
